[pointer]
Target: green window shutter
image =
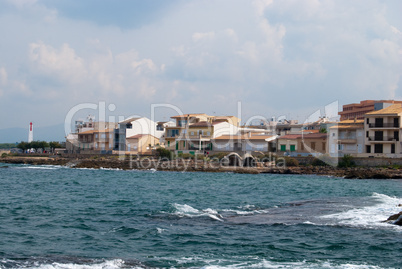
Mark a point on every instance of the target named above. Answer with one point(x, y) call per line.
point(177, 145)
point(168, 143)
point(283, 147)
point(292, 147)
point(184, 144)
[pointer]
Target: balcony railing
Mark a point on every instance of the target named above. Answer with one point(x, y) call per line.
point(347, 137)
point(383, 138)
point(383, 125)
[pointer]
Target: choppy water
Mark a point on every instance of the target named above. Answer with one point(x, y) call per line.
point(54, 217)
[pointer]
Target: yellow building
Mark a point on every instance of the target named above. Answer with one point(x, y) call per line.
point(141, 143)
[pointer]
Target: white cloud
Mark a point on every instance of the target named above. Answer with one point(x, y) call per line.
point(3, 76)
point(22, 3)
point(304, 52)
point(261, 5)
point(63, 62)
point(203, 36)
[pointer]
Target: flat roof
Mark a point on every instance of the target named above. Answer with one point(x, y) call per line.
point(391, 110)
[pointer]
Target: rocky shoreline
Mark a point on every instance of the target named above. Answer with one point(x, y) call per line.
point(182, 165)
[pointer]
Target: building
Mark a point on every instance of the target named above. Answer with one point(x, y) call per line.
point(383, 132)
point(346, 138)
point(141, 144)
point(96, 141)
point(358, 110)
point(311, 144)
point(245, 142)
point(194, 132)
point(137, 126)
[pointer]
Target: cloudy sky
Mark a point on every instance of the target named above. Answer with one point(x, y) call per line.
point(276, 57)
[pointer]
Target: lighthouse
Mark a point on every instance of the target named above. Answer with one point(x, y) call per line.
point(30, 133)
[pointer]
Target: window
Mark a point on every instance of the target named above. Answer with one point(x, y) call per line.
point(392, 148)
point(110, 136)
point(378, 148)
point(283, 147)
point(301, 146)
point(103, 135)
point(96, 145)
point(396, 122)
point(367, 134)
point(396, 135)
point(378, 136)
point(333, 134)
point(182, 123)
point(208, 133)
point(192, 133)
point(199, 132)
point(96, 135)
point(324, 146)
point(184, 144)
point(168, 143)
point(340, 147)
point(368, 149)
point(110, 145)
point(292, 147)
point(367, 121)
point(129, 126)
point(313, 145)
point(379, 122)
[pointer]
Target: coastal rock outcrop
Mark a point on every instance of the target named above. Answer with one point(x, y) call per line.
point(395, 219)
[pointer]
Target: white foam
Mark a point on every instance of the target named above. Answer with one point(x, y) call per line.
point(109, 264)
point(258, 263)
point(42, 167)
point(370, 216)
point(184, 210)
point(189, 211)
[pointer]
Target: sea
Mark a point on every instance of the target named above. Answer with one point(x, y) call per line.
point(55, 217)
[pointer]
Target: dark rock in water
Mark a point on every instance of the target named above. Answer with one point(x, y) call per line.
point(4, 166)
point(395, 219)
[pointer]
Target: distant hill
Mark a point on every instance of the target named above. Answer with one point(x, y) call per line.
point(47, 133)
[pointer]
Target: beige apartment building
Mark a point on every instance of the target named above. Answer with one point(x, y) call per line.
point(383, 132)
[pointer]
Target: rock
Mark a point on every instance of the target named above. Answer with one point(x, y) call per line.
point(395, 219)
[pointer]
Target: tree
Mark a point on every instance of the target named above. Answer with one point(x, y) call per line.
point(53, 145)
point(42, 145)
point(323, 130)
point(23, 146)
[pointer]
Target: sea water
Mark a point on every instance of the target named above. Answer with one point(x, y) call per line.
point(52, 217)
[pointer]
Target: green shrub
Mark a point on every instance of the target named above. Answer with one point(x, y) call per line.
point(289, 161)
point(219, 155)
point(346, 161)
point(4, 155)
point(186, 156)
point(318, 162)
point(164, 153)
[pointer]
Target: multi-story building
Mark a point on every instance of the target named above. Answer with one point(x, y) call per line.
point(383, 132)
point(346, 138)
point(311, 144)
point(94, 141)
point(358, 110)
point(137, 126)
point(196, 131)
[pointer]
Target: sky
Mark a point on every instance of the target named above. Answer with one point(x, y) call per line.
point(271, 57)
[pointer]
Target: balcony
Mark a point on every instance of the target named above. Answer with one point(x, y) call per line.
point(391, 125)
point(382, 139)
